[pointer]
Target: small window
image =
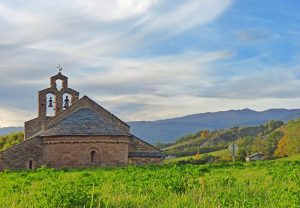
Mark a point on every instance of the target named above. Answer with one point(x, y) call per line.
point(93, 155)
point(30, 165)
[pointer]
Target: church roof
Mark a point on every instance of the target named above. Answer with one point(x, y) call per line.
point(85, 117)
point(84, 122)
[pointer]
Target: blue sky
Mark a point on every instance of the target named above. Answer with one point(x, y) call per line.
point(151, 59)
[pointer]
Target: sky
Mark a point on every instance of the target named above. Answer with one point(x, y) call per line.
point(151, 59)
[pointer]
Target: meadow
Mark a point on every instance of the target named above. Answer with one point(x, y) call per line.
point(259, 184)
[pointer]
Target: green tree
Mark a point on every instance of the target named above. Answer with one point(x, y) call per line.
point(245, 147)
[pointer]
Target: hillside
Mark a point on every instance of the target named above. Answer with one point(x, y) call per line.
point(170, 129)
point(274, 139)
point(209, 141)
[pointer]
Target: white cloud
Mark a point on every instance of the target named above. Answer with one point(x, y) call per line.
point(112, 10)
point(88, 28)
point(13, 117)
point(38, 35)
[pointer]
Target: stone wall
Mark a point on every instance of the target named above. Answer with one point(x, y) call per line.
point(33, 126)
point(77, 151)
point(20, 155)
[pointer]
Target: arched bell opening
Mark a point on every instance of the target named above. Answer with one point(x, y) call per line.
point(59, 84)
point(50, 105)
point(67, 100)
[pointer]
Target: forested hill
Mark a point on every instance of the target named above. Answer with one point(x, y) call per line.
point(170, 129)
point(273, 139)
point(206, 141)
point(11, 139)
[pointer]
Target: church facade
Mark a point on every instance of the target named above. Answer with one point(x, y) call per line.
point(80, 134)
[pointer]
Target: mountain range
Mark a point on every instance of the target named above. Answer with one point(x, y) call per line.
point(170, 129)
point(8, 130)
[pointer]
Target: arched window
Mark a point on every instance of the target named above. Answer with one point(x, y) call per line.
point(93, 156)
point(30, 164)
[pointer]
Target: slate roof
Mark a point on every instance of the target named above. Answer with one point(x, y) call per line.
point(256, 154)
point(83, 122)
point(146, 154)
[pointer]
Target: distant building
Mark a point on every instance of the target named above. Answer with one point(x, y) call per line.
point(170, 157)
point(255, 156)
point(80, 134)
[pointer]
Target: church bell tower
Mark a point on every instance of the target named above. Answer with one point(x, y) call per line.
point(59, 103)
point(51, 98)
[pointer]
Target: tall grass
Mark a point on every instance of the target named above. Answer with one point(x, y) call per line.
point(261, 184)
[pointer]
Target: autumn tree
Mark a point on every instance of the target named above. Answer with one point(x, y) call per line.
point(282, 150)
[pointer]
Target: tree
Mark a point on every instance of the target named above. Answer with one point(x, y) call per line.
point(204, 134)
point(282, 150)
point(245, 147)
point(289, 144)
point(272, 142)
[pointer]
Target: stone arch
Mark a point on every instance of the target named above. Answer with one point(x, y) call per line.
point(59, 84)
point(74, 94)
point(61, 77)
point(67, 100)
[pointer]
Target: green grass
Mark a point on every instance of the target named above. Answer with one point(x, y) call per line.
point(219, 153)
point(260, 184)
point(291, 158)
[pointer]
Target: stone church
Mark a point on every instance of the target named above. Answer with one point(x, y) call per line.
point(81, 133)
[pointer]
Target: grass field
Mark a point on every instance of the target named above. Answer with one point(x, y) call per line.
point(291, 158)
point(219, 153)
point(261, 184)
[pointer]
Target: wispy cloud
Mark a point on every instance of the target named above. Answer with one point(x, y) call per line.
point(13, 117)
point(147, 59)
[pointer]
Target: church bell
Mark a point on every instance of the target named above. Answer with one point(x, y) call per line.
point(50, 103)
point(67, 102)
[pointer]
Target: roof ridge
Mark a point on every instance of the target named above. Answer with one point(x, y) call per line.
point(86, 97)
point(146, 143)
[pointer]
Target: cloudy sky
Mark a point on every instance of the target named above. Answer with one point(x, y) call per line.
point(151, 59)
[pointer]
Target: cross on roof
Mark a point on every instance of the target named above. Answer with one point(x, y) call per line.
point(59, 68)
